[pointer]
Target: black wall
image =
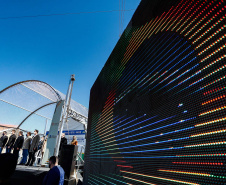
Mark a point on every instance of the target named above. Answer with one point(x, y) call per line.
point(157, 108)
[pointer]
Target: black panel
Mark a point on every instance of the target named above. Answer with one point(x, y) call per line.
point(157, 109)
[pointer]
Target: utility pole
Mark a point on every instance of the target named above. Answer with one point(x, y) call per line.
point(65, 113)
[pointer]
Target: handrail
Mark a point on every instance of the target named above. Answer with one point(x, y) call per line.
point(79, 153)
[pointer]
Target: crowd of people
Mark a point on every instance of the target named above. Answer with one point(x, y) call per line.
point(29, 146)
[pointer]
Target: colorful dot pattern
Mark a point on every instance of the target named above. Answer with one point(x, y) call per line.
point(157, 111)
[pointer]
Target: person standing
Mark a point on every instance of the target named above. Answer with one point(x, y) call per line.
point(63, 140)
point(18, 144)
point(40, 145)
point(74, 141)
point(26, 147)
point(44, 146)
point(3, 141)
point(10, 142)
point(55, 176)
point(33, 148)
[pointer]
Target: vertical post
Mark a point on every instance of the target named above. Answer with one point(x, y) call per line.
point(53, 132)
point(45, 127)
point(65, 113)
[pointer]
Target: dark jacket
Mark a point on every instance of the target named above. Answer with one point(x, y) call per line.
point(3, 141)
point(34, 143)
point(63, 141)
point(55, 176)
point(11, 141)
point(19, 142)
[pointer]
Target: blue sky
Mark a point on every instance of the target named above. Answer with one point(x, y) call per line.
point(51, 48)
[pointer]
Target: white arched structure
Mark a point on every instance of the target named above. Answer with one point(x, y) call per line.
point(34, 98)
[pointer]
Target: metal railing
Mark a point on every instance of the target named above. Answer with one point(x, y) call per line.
point(80, 152)
point(79, 162)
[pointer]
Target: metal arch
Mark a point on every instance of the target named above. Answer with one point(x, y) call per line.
point(34, 112)
point(59, 97)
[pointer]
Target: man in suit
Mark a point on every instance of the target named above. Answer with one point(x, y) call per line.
point(33, 148)
point(63, 140)
point(11, 141)
point(3, 141)
point(26, 147)
point(18, 144)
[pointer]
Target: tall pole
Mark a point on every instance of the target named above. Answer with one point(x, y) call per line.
point(45, 127)
point(65, 113)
